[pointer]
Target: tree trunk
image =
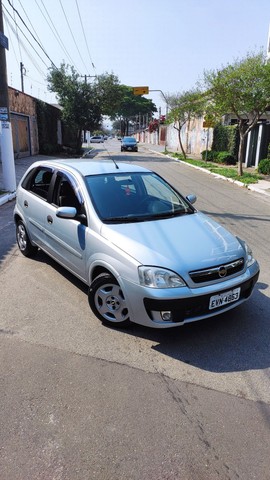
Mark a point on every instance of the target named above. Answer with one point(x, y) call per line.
point(179, 137)
point(79, 141)
point(243, 131)
point(180, 143)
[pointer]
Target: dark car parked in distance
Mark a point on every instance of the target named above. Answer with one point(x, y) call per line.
point(130, 144)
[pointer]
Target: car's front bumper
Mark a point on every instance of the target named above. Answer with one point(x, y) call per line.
point(185, 305)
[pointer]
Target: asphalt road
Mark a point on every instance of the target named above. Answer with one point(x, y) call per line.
point(79, 401)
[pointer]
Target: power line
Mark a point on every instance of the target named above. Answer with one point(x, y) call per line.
point(7, 25)
point(23, 35)
point(29, 21)
point(16, 34)
point(40, 46)
point(72, 34)
point(55, 32)
point(85, 36)
point(26, 50)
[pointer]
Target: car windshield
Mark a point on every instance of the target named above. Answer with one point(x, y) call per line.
point(134, 197)
point(129, 140)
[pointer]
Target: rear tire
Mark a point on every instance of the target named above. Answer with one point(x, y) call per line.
point(24, 244)
point(107, 301)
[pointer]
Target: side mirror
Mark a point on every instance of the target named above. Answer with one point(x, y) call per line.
point(66, 212)
point(191, 198)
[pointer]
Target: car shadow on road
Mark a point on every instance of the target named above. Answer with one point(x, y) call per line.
point(234, 341)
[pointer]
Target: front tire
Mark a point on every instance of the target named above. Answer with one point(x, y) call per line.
point(23, 241)
point(107, 301)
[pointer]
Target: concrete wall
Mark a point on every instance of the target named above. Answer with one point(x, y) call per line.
point(194, 137)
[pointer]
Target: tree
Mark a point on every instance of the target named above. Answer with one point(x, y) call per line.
point(81, 110)
point(84, 103)
point(242, 89)
point(132, 105)
point(183, 107)
point(109, 93)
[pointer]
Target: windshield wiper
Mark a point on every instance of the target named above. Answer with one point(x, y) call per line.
point(118, 219)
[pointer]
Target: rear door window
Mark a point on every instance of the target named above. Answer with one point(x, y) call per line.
point(39, 181)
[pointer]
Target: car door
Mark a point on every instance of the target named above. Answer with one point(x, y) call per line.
point(33, 199)
point(65, 238)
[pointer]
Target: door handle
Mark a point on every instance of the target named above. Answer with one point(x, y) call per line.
point(49, 219)
point(25, 203)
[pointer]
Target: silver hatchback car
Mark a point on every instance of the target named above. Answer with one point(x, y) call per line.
point(146, 253)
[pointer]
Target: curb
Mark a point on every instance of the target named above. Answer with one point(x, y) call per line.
point(251, 187)
point(7, 198)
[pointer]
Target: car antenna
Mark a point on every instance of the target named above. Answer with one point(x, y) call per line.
point(116, 166)
point(112, 159)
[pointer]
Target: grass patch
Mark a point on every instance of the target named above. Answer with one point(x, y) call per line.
point(230, 172)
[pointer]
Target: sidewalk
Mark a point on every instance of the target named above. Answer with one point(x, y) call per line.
point(21, 165)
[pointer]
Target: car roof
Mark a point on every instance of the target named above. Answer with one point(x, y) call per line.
point(91, 167)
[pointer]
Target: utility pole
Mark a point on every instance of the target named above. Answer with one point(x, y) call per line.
point(6, 145)
point(87, 76)
point(23, 71)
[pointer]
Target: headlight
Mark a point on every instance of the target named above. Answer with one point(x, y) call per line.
point(250, 259)
point(155, 277)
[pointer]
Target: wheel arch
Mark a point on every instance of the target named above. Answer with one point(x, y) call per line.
point(100, 270)
point(17, 217)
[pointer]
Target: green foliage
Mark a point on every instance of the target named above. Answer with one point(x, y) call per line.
point(83, 103)
point(225, 158)
point(264, 166)
point(226, 138)
point(218, 157)
point(109, 93)
point(184, 106)
point(179, 156)
point(131, 105)
point(209, 155)
point(242, 89)
point(229, 172)
point(47, 118)
point(48, 149)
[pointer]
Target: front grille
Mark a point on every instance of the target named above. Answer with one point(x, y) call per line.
point(215, 273)
point(185, 308)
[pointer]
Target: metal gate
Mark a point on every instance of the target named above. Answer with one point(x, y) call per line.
point(20, 135)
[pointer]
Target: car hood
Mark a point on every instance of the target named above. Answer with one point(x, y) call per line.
point(182, 244)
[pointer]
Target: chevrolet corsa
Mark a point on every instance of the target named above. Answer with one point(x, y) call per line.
point(146, 253)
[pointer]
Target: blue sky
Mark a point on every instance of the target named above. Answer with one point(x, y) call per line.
point(165, 45)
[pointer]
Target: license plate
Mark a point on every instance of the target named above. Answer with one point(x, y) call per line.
point(129, 148)
point(224, 298)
